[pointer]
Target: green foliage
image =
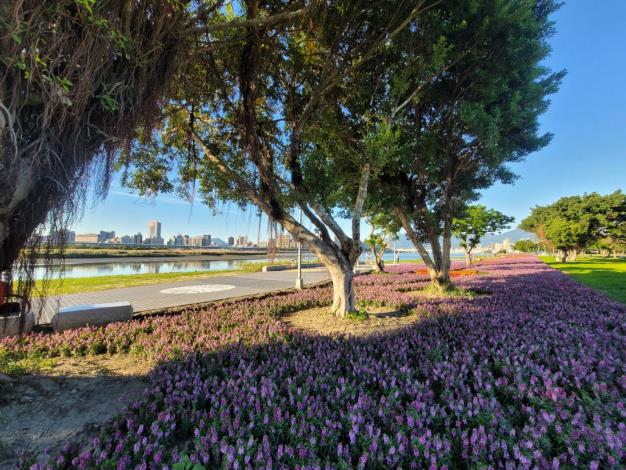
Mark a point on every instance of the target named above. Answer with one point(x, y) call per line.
point(385, 228)
point(15, 364)
point(77, 79)
point(468, 87)
point(357, 315)
point(580, 222)
point(527, 246)
point(186, 464)
point(251, 267)
point(476, 222)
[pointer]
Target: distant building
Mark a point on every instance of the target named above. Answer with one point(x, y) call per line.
point(285, 242)
point(87, 238)
point(505, 246)
point(126, 240)
point(179, 240)
point(242, 240)
point(231, 241)
point(281, 242)
point(137, 239)
point(154, 229)
point(63, 236)
point(104, 235)
point(200, 241)
point(154, 241)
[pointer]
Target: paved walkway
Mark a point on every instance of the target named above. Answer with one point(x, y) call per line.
point(174, 294)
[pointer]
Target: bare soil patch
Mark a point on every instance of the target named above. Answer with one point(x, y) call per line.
point(320, 321)
point(71, 397)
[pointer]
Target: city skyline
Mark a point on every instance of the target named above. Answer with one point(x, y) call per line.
point(154, 237)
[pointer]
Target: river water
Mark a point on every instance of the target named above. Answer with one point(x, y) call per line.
point(126, 267)
point(129, 267)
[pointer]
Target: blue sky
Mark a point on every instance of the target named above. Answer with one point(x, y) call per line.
point(588, 152)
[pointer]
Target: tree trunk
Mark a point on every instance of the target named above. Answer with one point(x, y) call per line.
point(343, 291)
point(440, 279)
point(380, 265)
point(561, 256)
point(438, 265)
point(468, 258)
point(572, 255)
point(377, 259)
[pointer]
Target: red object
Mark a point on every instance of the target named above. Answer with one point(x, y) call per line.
point(4, 291)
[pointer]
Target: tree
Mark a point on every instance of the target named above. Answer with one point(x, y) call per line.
point(279, 119)
point(576, 223)
point(76, 80)
point(527, 246)
point(613, 229)
point(385, 228)
point(463, 126)
point(476, 222)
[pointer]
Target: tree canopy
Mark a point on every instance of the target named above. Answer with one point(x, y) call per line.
point(461, 128)
point(338, 108)
point(527, 246)
point(284, 117)
point(77, 79)
point(476, 222)
point(385, 228)
point(576, 223)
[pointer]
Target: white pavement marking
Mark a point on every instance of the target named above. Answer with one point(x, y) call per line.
point(201, 289)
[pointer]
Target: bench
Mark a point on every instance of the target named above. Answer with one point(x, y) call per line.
point(97, 314)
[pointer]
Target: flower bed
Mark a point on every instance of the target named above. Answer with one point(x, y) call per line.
point(529, 376)
point(169, 336)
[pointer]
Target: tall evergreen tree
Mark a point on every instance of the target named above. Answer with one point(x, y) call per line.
point(461, 127)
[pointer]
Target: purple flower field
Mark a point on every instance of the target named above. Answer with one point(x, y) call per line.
point(529, 376)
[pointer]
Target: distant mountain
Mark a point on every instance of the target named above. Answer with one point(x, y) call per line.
point(514, 235)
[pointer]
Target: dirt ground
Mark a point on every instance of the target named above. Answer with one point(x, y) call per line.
point(74, 395)
point(380, 320)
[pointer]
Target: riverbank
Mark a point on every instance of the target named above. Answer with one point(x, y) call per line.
point(90, 256)
point(100, 283)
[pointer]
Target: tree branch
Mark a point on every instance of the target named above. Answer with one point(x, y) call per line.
point(286, 16)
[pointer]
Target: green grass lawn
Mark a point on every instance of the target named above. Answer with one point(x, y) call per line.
point(604, 274)
point(84, 284)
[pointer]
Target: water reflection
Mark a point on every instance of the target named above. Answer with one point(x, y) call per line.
point(133, 267)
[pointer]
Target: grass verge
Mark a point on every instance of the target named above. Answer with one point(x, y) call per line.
point(606, 275)
point(97, 283)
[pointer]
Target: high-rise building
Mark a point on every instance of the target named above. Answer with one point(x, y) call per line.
point(196, 241)
point(179, 240)
point(137, 239)
point(104, 235)
point(206, 240)
point(242, 240)
point(154, 234)
point(231, 241)
point(63, 236)
point(154, 229)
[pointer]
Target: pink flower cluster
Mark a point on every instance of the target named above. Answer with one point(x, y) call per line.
point(530, 376)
